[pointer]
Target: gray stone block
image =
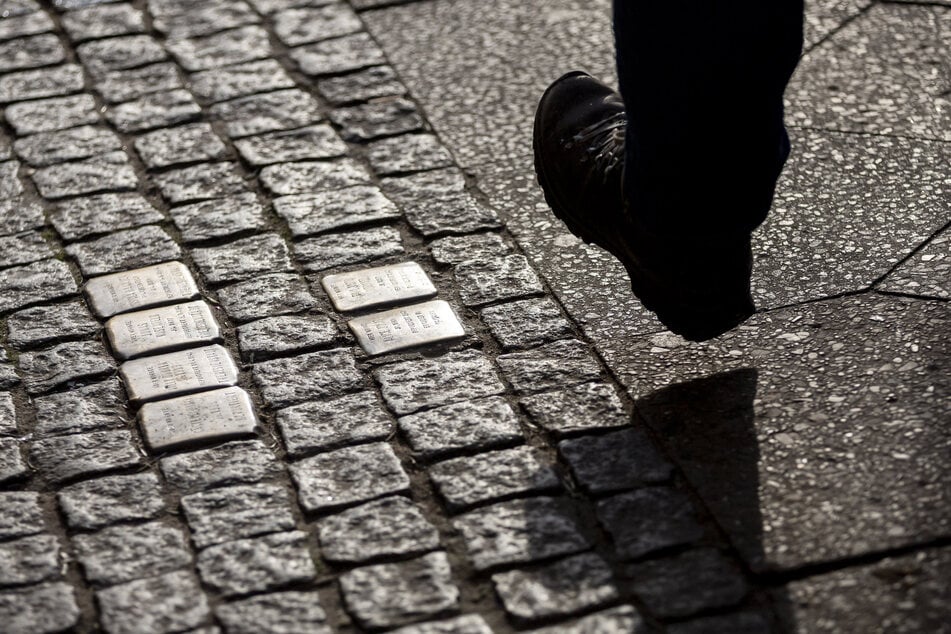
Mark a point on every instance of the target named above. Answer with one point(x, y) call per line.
point(308, 214)
point(313, 142)
point(468, 624)
point(203, 18)
point(456, 249)
point(268, 7)
point(343, 249)
point(34, 283)
point(39, 609)
point(184, 144)
point(32, 52)
point(550, 366)
point(241, 80)
point(24, 248)
point(89, 408)
point(268, 112)
point(46, 82)
point(315, 375)
point(648, 520)
point(106, 20)
point(379, 118)
point(615, 461)
point(585, 407)
point(120, 53)
point(276, 612)
point(167, 603)
point(468, 425)
point(29, 214)
point(15, 25)
point(96, 503)
point(55, 113)
point(220, 217)
point(257, 565)
point(123, 250)
point(199, 182)
point(408, 153)
point(47, 148)
point(246, 461)
point(348, 476)
point(525, 323)
point(390, 527)
point(8, 421)
point(236, 512)
point(44, 370)
point(226, 48)
point(364, 85)
point(438, 202)
point(620, 620)
point(22, 514)
point(243, 259)
point(106, 172)
point(124, 85)
point(155, 110)
point(105, 213)
point(30, 560)
point(266, 296)
point(484, 281)
point(304, 25)
point(12, 465)
point(127, 552)
point(278, 336)
point(330, 424)
point(309, 176)
point(63, 458)
point(350, 52)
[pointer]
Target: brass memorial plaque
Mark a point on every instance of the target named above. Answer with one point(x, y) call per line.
point(161, 329)
point(406, 327)
point(391, 284)
point(164, 375)
point(140, 288)
point(197, 418)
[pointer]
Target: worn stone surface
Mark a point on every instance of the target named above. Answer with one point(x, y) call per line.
point(484, 281)
point(219, 217)
point(45, 369)
point(348, 476)
point(350, 52)
point(387, 595)
point(258, 564)
point(35, 283)
point(456, 249)
point(468, 624)
point(234, 46)
point(47, 148)
point(589, 406)
point(88, 408)
point(647, 520)
point(479, 424)
point(30, 560)
point(235, 512)
point(123, 250)
point(621, 619)
point(565, 587)
point(328, 424)
point(457, 376)
point(525, 323)
point(125, 553)
point(184, 144)
point(343, 249)
point(246, 461)
point(407, 153)
point(23, 248)
point(520, 531)
point(437, 202)
point(243, 259)
point(12, 464)
point(313, 142)
point(465, 482)
point(169, 602)
point(106, 20)
point(46, 607)
point(153, 111)
point(378, 81)
point(203, 18)
point(308, 214)
point(926, 273)
point(46, 82)
point(379, 118)
point(393, 526)
point(8, 374)
point(62, 458)
point(120, 53)
point(240, 80)
point(302, 26)
point(32, 52)
point(309, 176)
point(266, 296)
point(198, 182)
point(55, 113)
point(78, 218)
point(22, 514)
point(106, 172)
point(29, 214)
point(8, 422)
point(13, 26)
point(290, 611)
point(125, 85)
point(309, 376)
point(268, 112)
point(550, 366)
point(278, 336)
point(615, 461)
point(96, 503)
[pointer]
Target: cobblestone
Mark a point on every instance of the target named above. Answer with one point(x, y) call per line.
point(305, 25)
point(469, 425)
point(456, 249)
point(167, 603)
point(12, 465)
point(243, 259)
point(348, 476)
point(257, 565)
point(347, 53)
point(620, 619)
point(553, 365)
point(526, 323)
point(29, 560)
point(62, 458)
point(204, 18)
point(277, 336)
point(310, 176)
point(615, 461)
point(46, 369)
point(124, 250)
point(390, 527)
point(83, 409)
point(93, 504)
point(240, 80)
point(8, 375)
point(372, 83)
point(107, 20)
point(468, 624)
point(243, 44)
point(120, 53)
point(22, 514)
point(32, 52)
point(46, 82)
point(23, 248)
point(266, 296)
point(47, 607)
point(520, 531)
point(387, 595)
point(241, 462)
point(8, 422)
point(185, 144)
point(343, 249)
point(330, 424)
point(105, 172)
point(153, 111)
point(125, 85)
point(268, 112)
point(315, 375)
point(565, 587)
point(308, 214)
point(14, 26)
point(78, 218)
point(381, 117)
point(585, 407)
point(408, 153)
point(47, 148)
point(435, 203)
point(236, 512)
point(198, 182)
point(219, 217)
point(313, 142)
point(124, 553)
point(647, 520)
point(484, 281)
point(55, 113)
point(277, 612)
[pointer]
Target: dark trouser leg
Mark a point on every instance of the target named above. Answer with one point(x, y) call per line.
point(702, 82)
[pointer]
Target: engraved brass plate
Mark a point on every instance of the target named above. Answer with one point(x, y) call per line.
point(406, 327)
point(197, 418)
point(161, 329)
point(391, 284)
point(176, 373)
point(140, 288)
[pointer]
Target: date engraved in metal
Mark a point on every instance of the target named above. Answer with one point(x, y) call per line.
point(161, 329)
point(140, 288)
point(391, 284)
point(406, 327)
point(175, 373)
point(197, 419)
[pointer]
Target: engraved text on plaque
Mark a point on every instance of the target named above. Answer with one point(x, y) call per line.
point(389, 284)
point(406, 327)
point(150, 286)
point(161, 329)
point(177, 373)
point(196, 418)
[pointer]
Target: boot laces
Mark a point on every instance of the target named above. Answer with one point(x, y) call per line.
point(604, 143)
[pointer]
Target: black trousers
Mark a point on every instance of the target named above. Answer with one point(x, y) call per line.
point(702, 82)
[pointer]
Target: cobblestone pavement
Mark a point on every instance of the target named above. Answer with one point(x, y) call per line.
point(566, 465)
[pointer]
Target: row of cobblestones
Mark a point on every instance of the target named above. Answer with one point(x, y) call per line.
point(490, 485)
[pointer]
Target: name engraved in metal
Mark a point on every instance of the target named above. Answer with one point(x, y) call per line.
point(197, 418)
point(378, 286)
point(406, 327)
point(161, 329)
point(175, 373)
point(140, 288)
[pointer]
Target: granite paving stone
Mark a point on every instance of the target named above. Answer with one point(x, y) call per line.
point(46, 369)
point(387, 595)
point(381, 117)
point(243, 44)
point(311, 176)
point(155, 110)
point(127, 552)
point(8, 421)
point(243, 259)
point(107, 20)
point(585, 407)
point(291, 611)
point(166, 603)
point(30, 560)
point(100, 173)
point(620, 619)
point(466, 482)
point(240, 462)
point(219, 217)
point(339, 55)
point(267, 112)
point(88, 408)
point(13, 8)
point(329, 424)
point(371, 83)
point(468, 624)
point(408, 153)
point(390, 527)
point(449, 213)
point(120, 53)
point(23, 248)
point(525, 323)
point(45, 82)
point(413, 385)
point(489, 280)
point(648, 520)
point(550, 366)
point(266, 296)
point(32, 52)
point(203, 18)
point(45, 607)
point(615, 461)
point(282, 335)
point(926, 273)
point(10, 185)
point(71, 5)
point(47, 148)
point(93, 504)
point(8, 374)
point(54, 113)
point(124, 85)
point(123, 250)
point(682, 585)
point(308, 214)
point(344, 249)
point(22, 514)
point(745, 622)
point(314, 375)
point(240, 80)
point(236, 512)
point(268, 7)
point(63, 458)
point(12, 464)
point(313, 142)
point(200, 182)
point(17, 214)
point(256, 565)
point(304, 25)
point(470, 425)
point(562, 588)
point(456, 249)
point(521, 531)
point(15, 26)
point(185, 144)
point(348, 476)
point(78, 218)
